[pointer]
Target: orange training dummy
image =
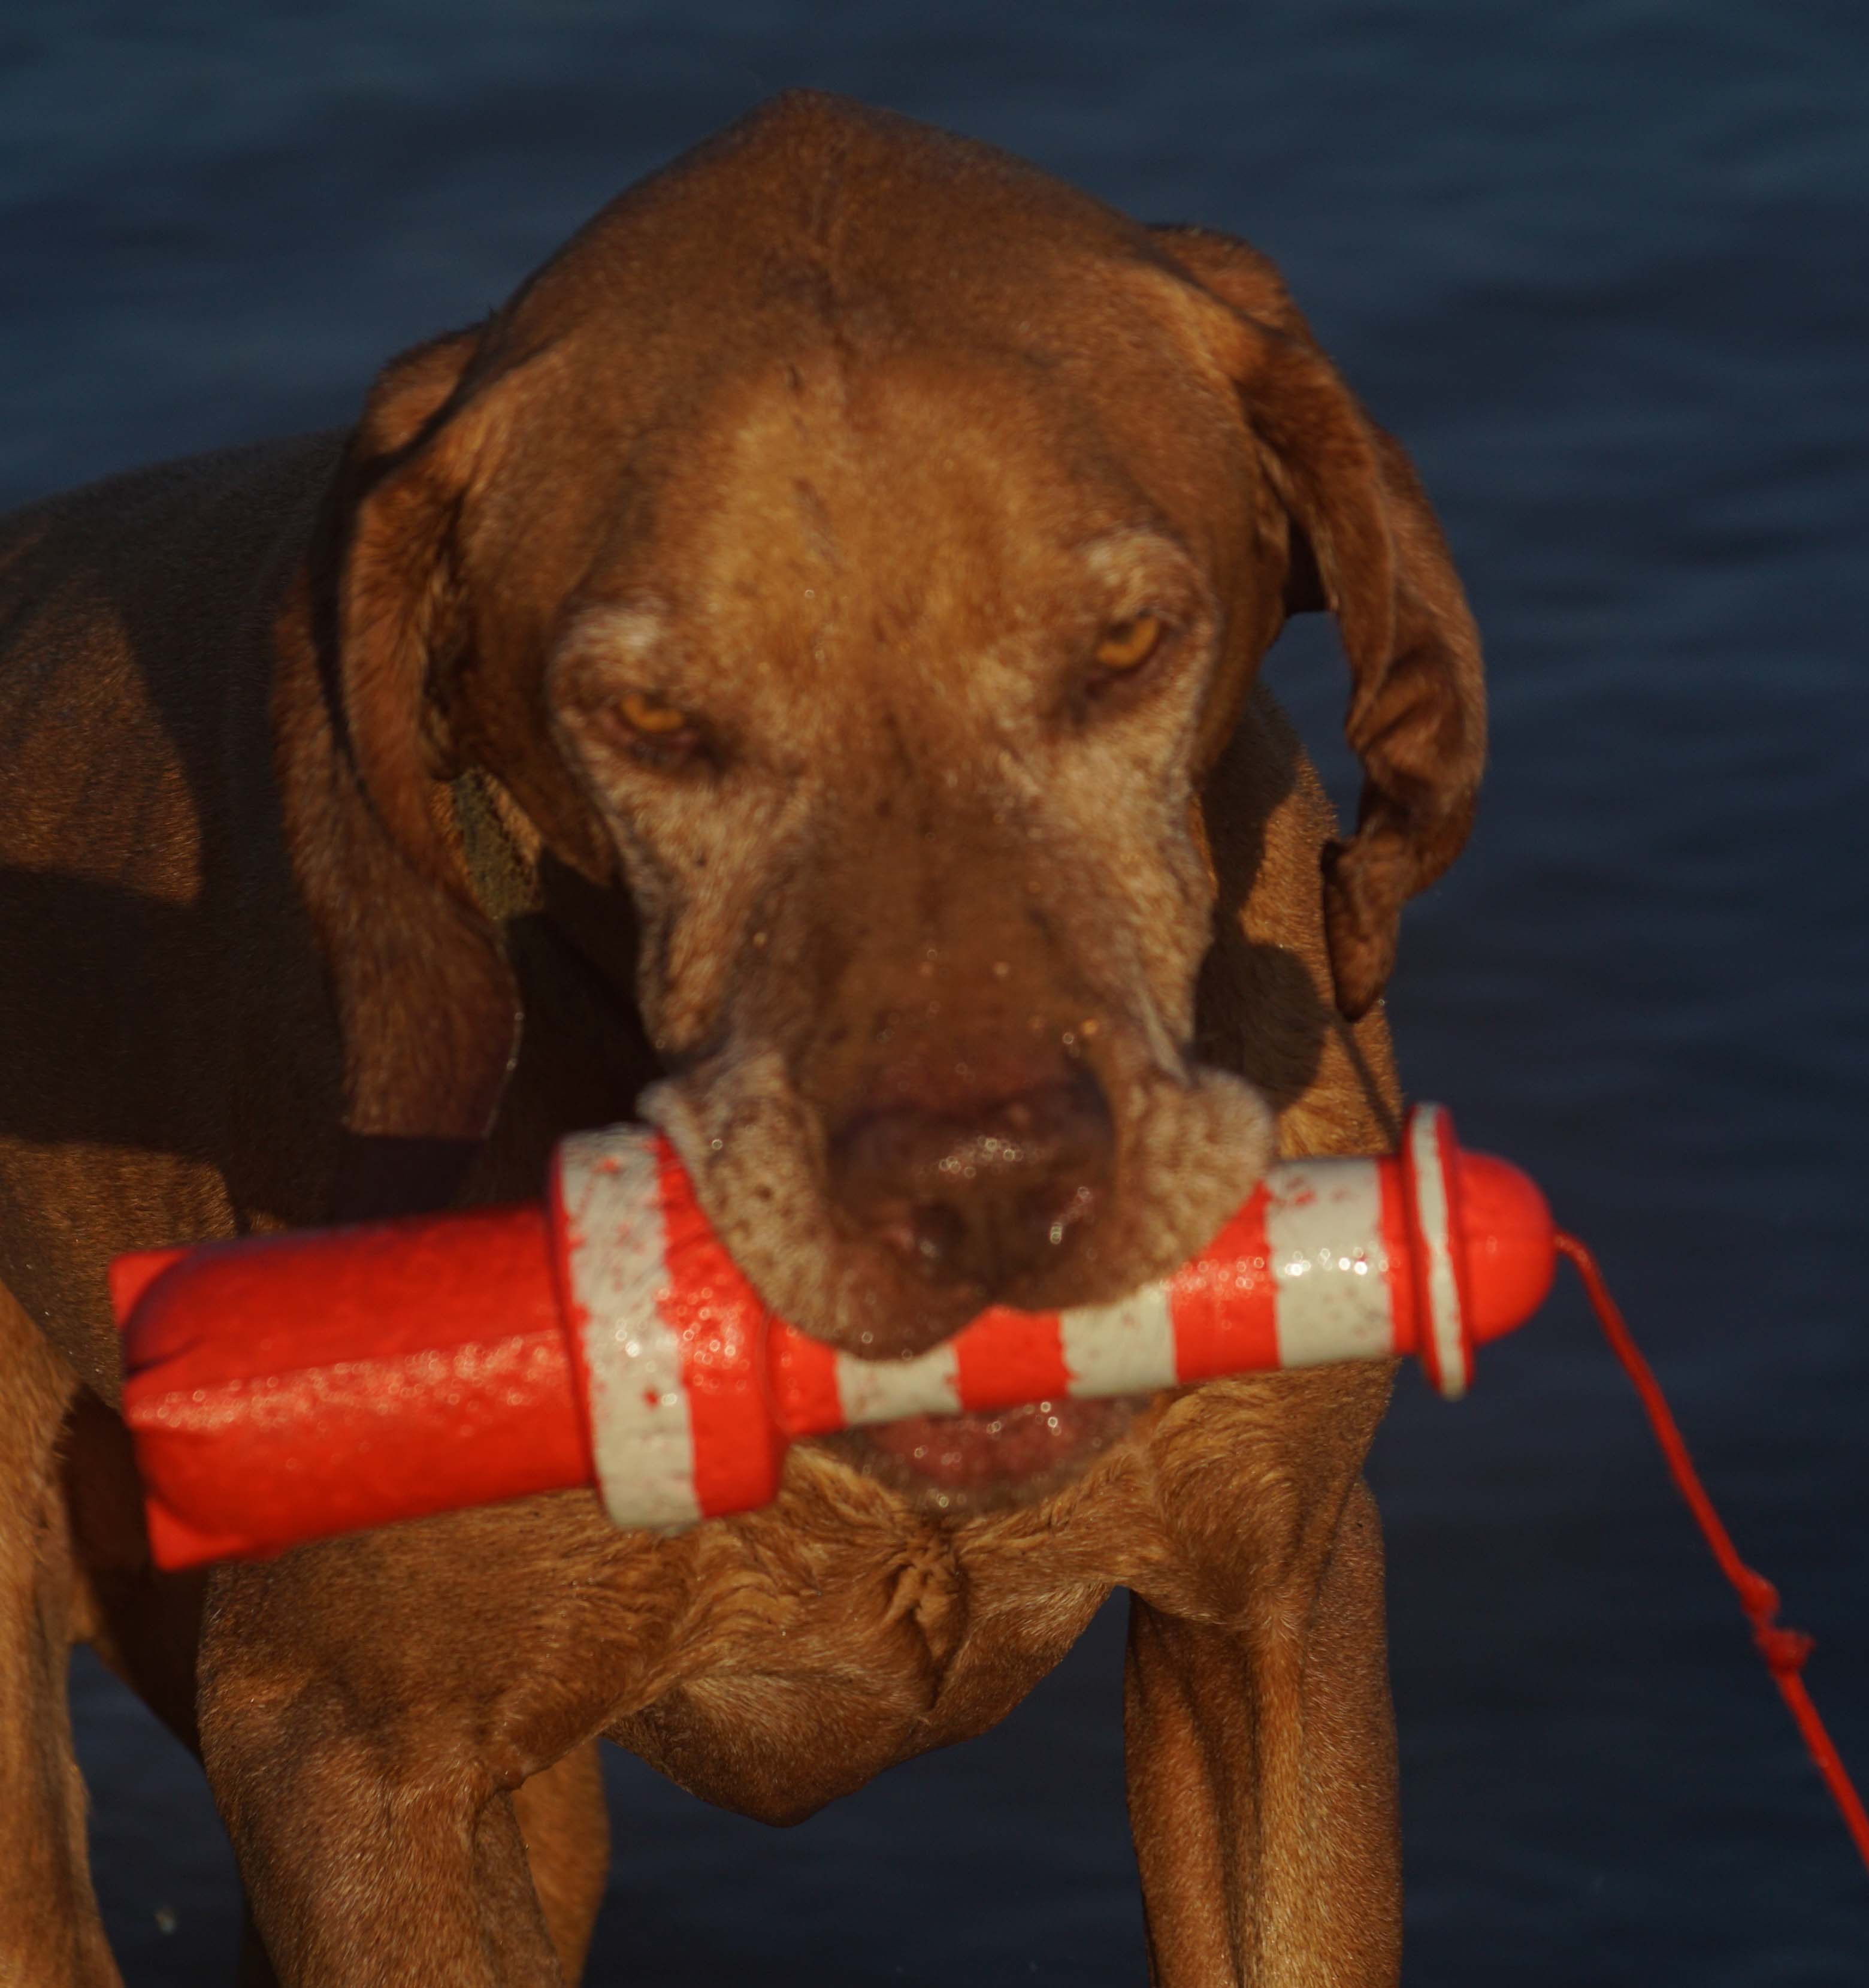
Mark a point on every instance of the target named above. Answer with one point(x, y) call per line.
point(286, 1388)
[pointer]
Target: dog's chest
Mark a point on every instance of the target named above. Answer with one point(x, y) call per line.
point(837, 1634)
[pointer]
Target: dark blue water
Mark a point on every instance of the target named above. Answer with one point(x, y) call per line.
point(1605, 266)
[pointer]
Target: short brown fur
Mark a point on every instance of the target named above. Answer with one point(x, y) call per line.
point(332, 884)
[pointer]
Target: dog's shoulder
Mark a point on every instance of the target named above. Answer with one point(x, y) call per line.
point(232, 497)
point(133, 612)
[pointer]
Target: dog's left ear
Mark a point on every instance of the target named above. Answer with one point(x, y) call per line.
point(1362, 541)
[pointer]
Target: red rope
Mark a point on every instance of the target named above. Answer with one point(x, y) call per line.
point(1784, 1650)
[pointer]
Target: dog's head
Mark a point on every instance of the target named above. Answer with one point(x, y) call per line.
point(855, 549)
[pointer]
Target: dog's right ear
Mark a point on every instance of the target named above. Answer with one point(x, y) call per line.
point(427, 1006)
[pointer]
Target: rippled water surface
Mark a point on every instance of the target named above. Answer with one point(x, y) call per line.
point(1605, 267)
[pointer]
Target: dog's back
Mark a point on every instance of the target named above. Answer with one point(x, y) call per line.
point(160, 1007)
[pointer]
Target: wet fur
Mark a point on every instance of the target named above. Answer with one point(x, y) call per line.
point(320, 897)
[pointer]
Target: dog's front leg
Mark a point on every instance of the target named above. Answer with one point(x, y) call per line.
point(1261, 1760)
point(366, 1791)
point(50, 1934)
point(565, 1819)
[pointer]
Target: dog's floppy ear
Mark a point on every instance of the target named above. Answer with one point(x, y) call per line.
point(427, 1003)
point(1364, 543)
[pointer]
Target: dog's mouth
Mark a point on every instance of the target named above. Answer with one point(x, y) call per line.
point(966, 1464)
point(1189, 1152)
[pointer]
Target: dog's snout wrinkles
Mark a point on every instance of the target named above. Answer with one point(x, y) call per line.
point(989, 1195)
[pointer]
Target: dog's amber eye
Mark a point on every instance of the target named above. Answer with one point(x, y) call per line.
point(1127, 645)
point(649, 714)
point(651, 729)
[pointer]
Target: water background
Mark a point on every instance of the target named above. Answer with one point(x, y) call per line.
point(1604, 265)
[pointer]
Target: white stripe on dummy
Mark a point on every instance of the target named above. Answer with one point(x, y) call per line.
point(1332, 1300)
point(1432, 1216)
point(618, 1268)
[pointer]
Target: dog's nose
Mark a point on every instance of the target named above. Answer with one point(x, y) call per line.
point(990, 1195)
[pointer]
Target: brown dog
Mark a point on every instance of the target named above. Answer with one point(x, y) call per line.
point(799, 655)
